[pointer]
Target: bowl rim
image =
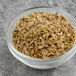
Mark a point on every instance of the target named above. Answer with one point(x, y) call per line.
point(9, 43)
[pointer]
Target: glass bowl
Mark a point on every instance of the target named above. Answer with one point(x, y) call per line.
point(35, 62)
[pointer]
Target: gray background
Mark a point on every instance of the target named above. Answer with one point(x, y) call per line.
point(10, 66)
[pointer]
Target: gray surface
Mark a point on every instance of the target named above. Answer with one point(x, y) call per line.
point(9, 66)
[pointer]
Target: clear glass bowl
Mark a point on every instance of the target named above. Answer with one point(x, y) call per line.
point(35, 62)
